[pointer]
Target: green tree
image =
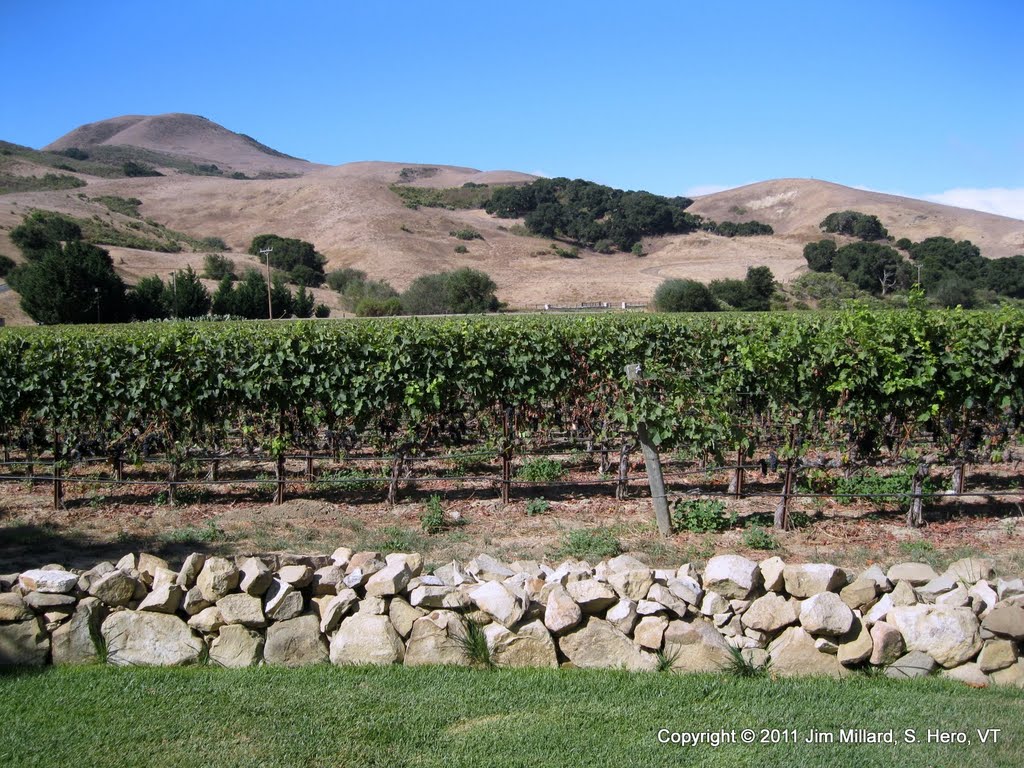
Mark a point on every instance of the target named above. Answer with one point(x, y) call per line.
point(684, 296)
point(6, 265)
point(223, 302)
point(819, 255)
point(217, 266)
point(249, 298)
point(733, 293)
point(303, 304)
point(289, 253)
point(74, 283)
point(339, 279)
point(1006, 276)
point(41, 231)
point(371, 307)
point(146, 299)
point(872, 267)
point(462, 291)
point(280, 297)
point(855, 224)
point(185, 295)
point(761, 283)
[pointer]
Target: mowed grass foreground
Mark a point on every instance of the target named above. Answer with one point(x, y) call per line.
point(329, 716)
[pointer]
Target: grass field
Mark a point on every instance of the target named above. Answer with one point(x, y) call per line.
point(329, 716)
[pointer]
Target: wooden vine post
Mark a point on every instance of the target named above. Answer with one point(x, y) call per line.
point(622, 483)
point(58, 486)
point(782, 510)
point(915, 514)
point(506, 454)
point(653, 462)
point(736, 484)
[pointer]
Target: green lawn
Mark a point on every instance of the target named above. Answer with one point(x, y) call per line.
point(329, 716)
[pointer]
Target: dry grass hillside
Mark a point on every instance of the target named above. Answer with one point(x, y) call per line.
point(795, 207)
point(354, 218)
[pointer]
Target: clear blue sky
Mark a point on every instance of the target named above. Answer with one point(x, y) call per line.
point(919, 98)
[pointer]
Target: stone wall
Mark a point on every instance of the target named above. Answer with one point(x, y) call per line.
point(367, 608)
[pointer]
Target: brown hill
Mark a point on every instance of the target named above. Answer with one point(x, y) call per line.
point(795, 207)
point(354, 218)
point(189, 136)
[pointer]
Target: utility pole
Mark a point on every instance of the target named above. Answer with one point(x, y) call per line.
point(270, 304)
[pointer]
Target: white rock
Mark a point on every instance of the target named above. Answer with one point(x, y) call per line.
point(163, 599)
point(243, 609)
point(809, 579)
point(561, 612)
point(366, 639)
point(335, 608)
point(255, 577)
point(732, 576)
point(916, 573)
point(435, 640)
point(149, 639)
point(771, 573)
point(793, 654)
point(770, 613)
point(218, 578)
point(651, 631)
point(631, 584)
point(826, 614)
point(886, 644)
point(623, 615)
point(207, 620)
point(295, 643)
point(497, 600)
point(696, 646)
point(948, 635)
point(597, 644)
point(591, 595)
point(237, 647)
point(48, 581)
point(390, 580)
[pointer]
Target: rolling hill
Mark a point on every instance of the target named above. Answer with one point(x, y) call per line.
point(353, 216)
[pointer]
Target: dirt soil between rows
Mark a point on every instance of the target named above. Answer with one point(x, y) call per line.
point(578, 520)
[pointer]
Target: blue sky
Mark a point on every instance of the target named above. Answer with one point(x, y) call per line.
point(917, 98)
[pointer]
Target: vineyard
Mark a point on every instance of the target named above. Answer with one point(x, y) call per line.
point(368, 408)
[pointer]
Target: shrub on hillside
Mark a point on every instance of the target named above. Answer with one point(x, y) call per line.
point(684, 296)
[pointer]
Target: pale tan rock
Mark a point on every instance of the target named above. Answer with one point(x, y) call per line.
point(996, 655)
point(732, 576)
point(367, 639)
point(218, 578)
point(596, 644)
point(74, 642)
point(650, 632)
point(793, 655)
point(403, 616)
point(23, 643)
point(770, 613)
point(886, 644)
point(237, 647)
point(696, 646)
point(208, 620)
point(435, 640)
point(149, 639)
point(809, 579)
point(243, 609)
point(562, 613)
point(295, 642)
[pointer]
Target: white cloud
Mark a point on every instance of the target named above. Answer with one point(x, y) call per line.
point(1005, 202)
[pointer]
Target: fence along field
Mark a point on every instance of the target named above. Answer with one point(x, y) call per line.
point(832, 391)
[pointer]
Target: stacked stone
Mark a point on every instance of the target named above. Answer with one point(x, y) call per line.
point(371, 608)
